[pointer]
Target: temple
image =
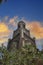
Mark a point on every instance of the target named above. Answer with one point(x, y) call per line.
point(21, 37)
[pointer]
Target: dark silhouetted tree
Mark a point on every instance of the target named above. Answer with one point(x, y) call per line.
point(2, 1)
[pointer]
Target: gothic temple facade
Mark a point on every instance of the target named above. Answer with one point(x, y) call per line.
point(21, 37)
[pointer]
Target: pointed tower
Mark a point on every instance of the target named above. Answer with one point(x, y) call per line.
point(21, 37)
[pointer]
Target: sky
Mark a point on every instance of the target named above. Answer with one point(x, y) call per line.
point(30, 11)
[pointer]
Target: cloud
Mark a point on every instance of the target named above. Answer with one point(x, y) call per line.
point(13, 21)
point(3, 28)
point(4, 32)
point(39, 44)
point(36, 29)
point(3, 40)
point(6, 28)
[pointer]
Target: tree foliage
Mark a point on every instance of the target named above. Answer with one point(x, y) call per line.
point(2, 1)
point(27, 55)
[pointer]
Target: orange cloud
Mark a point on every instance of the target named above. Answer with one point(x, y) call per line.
point(4, 32)
point(13, 21)
point(3, 28)
point(3, 40)
point(36, 29)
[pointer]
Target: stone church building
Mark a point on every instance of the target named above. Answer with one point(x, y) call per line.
point(21, 37)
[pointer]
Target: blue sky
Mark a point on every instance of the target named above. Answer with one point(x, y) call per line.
point(30, 9)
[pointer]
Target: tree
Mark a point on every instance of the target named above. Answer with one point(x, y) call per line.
point(2, 1)
point(28, 55)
